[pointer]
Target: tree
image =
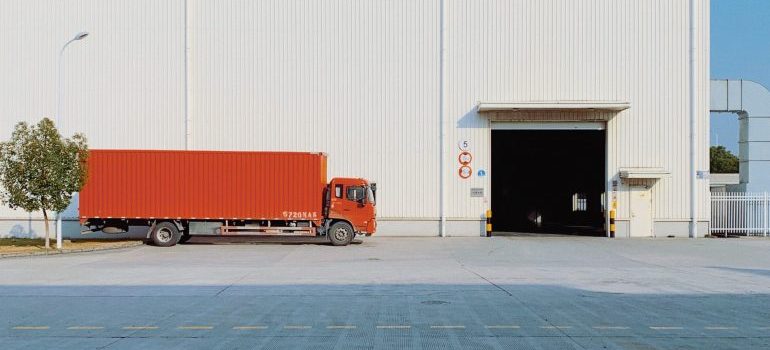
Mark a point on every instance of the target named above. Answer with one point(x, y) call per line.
point(40, 170)
point(722, 161)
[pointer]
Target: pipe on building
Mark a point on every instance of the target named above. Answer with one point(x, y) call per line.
point(186, 80)
point(751, 102)
point(442, 132)
point(693, 124)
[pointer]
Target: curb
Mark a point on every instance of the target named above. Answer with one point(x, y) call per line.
point(70, 251)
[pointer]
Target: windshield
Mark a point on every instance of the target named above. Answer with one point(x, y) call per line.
point(370, 195)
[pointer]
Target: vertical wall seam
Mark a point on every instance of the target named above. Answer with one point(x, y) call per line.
point(693, 126)
point(186, 79)
point(442, 151)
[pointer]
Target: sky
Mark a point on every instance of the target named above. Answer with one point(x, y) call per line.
point(740, 49)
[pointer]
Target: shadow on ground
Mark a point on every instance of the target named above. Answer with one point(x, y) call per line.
point(758, 272)
point(140, 233)
point(375, 316)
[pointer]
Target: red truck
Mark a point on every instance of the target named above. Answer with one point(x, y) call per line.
point(180, 194)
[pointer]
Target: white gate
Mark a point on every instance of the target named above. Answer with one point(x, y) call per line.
point(740, 213)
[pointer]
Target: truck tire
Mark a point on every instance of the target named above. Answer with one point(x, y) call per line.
point(340, 234)
point(165, 234)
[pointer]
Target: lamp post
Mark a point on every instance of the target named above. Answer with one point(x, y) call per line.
point(60, 88)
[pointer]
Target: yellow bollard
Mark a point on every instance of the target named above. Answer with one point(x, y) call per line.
point(489, 223)
point(612, 223)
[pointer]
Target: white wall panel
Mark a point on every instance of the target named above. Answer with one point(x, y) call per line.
point(122, 84)
point(355, 79)
point(602, 50)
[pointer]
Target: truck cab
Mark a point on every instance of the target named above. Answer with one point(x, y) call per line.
point(353, 201)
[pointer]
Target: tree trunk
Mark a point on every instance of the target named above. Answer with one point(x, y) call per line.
point(47, 232)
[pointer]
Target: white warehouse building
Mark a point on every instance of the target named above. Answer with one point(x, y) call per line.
point(548, 112)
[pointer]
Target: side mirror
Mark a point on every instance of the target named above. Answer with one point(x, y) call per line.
point(374, 190)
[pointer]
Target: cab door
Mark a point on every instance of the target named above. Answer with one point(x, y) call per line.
point(347, 200)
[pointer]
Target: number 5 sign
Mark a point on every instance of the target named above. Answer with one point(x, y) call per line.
point(464, 145)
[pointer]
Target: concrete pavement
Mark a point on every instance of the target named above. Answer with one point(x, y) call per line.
point(422, 293)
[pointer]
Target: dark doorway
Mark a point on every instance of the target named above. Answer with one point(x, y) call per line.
point(548, 181)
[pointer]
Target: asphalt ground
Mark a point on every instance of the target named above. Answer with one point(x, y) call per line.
point(408, 293)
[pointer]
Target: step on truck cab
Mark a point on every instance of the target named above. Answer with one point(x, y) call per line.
point(176, 195)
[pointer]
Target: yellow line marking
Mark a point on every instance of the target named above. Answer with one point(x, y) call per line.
point(447, 327)
point(659, 328)
point(31, 328)
point(502, 327)
point(140, 327)
point(84, 328)
point(556, 327)
point(249, 327)
point(719, 328)
point(610, 327)
point(297, 327)
point(341, 327)
point(394, 327)
point(195, 327)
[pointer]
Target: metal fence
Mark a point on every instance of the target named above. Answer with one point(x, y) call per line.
point(740, 213)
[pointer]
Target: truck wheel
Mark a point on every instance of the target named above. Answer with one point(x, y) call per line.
point(165, 234)
point(340, 234)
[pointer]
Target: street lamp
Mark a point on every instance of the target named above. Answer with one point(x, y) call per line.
point(78, 36)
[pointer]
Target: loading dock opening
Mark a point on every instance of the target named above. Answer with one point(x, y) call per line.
point(549, 181)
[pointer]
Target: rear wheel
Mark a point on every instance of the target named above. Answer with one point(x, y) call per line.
point(165, 234)
point(340, 234)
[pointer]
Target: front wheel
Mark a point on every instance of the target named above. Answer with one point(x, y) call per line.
point(165, 234)
point(340, 234)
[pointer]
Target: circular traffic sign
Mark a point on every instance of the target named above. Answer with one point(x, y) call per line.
point(465, 172)
point(465, 158)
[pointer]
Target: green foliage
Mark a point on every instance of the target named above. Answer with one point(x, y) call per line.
point(722, 161)
point(40, 170)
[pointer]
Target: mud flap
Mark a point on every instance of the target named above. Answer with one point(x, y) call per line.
point(152, 228)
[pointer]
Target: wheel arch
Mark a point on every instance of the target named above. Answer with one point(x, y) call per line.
point(333, 221)
point(181, 226)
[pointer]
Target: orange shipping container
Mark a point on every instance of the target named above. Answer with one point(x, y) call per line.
point(204, 185)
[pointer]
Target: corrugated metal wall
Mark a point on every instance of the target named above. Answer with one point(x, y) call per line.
point(123, 84)
point(602, 50)
point(360, 80)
